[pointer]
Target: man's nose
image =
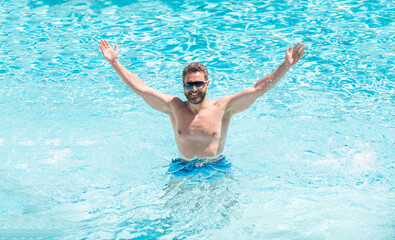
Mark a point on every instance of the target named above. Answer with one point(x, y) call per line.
point(194, 88)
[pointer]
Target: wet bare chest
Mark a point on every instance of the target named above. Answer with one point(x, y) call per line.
point(206, 124)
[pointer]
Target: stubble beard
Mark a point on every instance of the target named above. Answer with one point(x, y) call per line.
point(196, 99)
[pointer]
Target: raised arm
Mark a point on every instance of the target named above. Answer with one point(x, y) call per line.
point(244, 99)
point(154, 98)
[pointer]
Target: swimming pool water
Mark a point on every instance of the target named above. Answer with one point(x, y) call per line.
point(81, 156)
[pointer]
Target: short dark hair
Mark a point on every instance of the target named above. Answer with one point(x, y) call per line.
point(195, 67)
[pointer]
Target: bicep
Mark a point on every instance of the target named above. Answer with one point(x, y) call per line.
point(242, 100)
point(157, 100)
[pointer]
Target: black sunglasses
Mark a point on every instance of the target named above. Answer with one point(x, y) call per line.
point(189, 85)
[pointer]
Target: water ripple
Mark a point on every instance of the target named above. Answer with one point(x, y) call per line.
point(314, 151)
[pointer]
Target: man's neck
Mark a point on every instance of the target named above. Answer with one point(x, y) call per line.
point(195, 108)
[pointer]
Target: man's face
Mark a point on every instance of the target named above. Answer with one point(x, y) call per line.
point(195, 95)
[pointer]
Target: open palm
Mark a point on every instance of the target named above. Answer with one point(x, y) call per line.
point(108, 53)
point(293, 55)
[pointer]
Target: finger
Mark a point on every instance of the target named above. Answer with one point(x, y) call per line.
point(103, 51)
point(116, 47)
point(302, 49)
point(107, 44)
point(103, 44)
point(301, 52)
point(290, 48)
point(298, 46)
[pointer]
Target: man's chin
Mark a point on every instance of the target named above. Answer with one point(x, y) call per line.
point(197, 100)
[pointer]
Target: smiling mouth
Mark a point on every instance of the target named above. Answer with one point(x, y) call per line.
point(196, 94)
point(195, 97)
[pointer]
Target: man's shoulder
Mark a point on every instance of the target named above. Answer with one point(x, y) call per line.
point(220, 103)
point(224, 100)
point(176, 102)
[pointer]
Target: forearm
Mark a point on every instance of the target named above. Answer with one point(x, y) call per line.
point(134, 82)
point(266, 83)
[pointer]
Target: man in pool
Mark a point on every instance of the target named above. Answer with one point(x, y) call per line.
point(200, 124)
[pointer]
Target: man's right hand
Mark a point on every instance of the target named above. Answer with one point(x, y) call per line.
point(108, 53)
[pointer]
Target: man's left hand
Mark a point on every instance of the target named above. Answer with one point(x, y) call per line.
point(293, 55)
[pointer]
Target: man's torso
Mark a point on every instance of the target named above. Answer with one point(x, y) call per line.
point(202, 134)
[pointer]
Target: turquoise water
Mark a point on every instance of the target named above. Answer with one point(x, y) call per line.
point(81, 156)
